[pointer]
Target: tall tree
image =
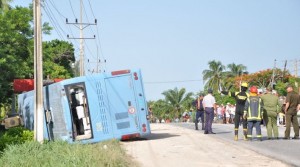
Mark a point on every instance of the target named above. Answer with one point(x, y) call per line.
point(4, 5)
point(15, 33)
point(213, 77)
point(176, 98)
point(236, 70)
point(16, 51)
point(160, 109)
point(58, 57)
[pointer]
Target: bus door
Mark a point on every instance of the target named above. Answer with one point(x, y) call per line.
point(122, 105)
point(79, 111)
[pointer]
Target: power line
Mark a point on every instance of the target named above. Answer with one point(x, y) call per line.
point(81, 27)
point(61, 31)
point(57, 26)
point(161, 82)
point(53, 21)
point(61, 15)
point(91, 53)
point(99, 48)
point(91, 8)
point(72, 9)
point(52, 3)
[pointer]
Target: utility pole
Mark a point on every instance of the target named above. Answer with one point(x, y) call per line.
point(284, 69)
point(273, 75)
point(81, 38)
point(296, 68)
point(97, 66)
point(98, 62)
point(38, 74)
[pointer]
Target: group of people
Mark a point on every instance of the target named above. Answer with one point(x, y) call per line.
point(250, 109)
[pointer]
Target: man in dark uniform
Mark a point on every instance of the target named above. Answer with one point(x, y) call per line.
point(199, 112)
point(292, 102)
point(240, 99)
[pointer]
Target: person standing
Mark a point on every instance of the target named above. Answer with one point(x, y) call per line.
point(291, 104)
point(227, 113)
point(253, 112)
point(271, 110)
point(209, 104)
point(240, 100)
point(199, 112)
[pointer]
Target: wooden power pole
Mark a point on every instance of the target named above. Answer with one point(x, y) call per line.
point(38, 74)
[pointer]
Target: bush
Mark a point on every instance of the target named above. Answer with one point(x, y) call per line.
point(61, 154)
point(16, 135)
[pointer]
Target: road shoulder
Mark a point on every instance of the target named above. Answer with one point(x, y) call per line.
point(177, 146)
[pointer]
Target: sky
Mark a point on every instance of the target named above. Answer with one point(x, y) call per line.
point(172, 41)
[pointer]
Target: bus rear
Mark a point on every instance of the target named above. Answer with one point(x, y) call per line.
point(128, 104)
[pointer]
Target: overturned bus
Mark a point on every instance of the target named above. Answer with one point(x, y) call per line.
point(91, 108)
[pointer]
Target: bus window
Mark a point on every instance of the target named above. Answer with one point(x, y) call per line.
point(80, 116)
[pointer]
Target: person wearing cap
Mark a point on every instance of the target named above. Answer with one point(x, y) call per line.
point(271, 110)
point(199, 112)
point(253, 112)
point(209, 104)
point(240, 100)
point(291, 104)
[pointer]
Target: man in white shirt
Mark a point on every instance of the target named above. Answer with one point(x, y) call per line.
point(209, 104)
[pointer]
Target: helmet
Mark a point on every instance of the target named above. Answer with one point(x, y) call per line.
point(253, 89)
point(244, 84)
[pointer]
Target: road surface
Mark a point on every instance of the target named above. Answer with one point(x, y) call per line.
point(180, 145)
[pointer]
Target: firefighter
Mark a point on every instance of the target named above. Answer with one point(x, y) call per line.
point(253, 113)
point(240, 100)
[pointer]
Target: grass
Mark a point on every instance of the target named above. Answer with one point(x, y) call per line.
point(61, 154)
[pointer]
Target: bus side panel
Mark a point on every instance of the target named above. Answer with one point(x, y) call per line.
point(55, 102)
point(122, 105)
point(26, 109)
point(141, 103)
point(99, 110)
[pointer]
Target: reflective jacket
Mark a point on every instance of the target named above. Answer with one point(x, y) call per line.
point(240, 98)
point(254, 108)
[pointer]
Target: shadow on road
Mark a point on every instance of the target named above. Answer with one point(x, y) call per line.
point(224, 132)
point(157, 136)
point(153, 136)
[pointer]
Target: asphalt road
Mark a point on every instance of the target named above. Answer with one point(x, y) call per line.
point(180, 145)
point(287, 151)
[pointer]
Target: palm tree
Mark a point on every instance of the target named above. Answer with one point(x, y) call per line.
point(236, 70)
point(176, 98)
point(214, 76)
point(160, 109)
point(4, 5)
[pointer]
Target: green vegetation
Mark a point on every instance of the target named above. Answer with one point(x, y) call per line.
point(175, 102)
point(13, 136)
point(59, 153)
point(17, 148)
point(214, 75)
point(219, 78)
point(4, 5)
point(16, 51)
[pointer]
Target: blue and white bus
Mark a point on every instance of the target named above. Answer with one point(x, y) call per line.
point(91, 108)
